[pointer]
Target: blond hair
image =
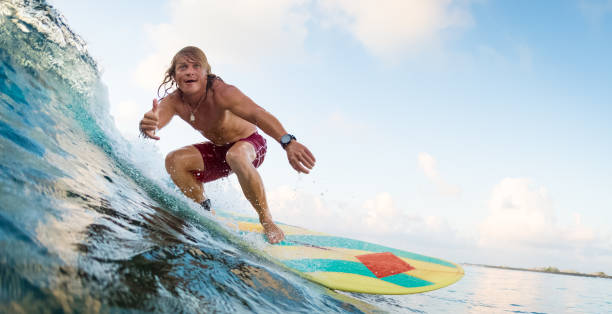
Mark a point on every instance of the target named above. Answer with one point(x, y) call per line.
point(193, 54)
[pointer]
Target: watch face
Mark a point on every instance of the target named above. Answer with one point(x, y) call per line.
point(286, 139)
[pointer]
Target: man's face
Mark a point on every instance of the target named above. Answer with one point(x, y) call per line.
point(189, 75)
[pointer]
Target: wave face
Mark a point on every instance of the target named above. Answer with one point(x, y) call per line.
point(84, 226)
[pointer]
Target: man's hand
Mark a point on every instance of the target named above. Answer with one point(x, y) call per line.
point(150, 122)
point(300, 158)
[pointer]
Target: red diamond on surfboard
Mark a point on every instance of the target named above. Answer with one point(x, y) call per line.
point(384, 264)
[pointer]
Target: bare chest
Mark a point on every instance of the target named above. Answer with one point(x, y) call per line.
point(214, 122)
point(207, 118)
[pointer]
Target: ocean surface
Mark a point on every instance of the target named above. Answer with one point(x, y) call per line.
point(90, 222)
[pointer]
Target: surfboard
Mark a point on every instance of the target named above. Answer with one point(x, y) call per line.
point(351, 265)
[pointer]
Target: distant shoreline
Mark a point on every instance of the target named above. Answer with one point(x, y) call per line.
point(548, 270)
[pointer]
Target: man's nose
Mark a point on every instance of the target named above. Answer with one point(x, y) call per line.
point(191, 70)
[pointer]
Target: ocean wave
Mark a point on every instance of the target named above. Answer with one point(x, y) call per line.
point(87, 222)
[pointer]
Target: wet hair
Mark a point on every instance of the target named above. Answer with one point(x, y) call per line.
point(190, 52)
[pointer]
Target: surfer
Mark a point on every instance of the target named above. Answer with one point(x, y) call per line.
point(229, 120)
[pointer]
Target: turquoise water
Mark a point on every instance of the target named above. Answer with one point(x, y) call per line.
point(89, 222)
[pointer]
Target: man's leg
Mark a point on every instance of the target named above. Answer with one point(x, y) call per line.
point(240, 159)
point(179, 164)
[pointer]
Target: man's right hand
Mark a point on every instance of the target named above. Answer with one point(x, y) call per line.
point(300, 158)
point(150, 122)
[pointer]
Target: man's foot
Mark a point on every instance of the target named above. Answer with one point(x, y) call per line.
point(206, 205)
point(273, 232)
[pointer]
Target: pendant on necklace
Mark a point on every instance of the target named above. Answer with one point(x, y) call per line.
point(192, 117)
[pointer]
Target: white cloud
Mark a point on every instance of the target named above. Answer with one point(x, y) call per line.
point(522, 229)
point(377, 219)
point(241, 33)
point(579, 232)
point(391, 27)
point(303, 209)
point(250, 33)
point(523, 215)
point(519, 213)
point(429, 166)
point(383, 217)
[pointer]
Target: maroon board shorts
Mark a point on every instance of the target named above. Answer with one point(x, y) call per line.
point(215, 165)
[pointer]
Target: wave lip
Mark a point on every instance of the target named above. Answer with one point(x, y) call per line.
point(38, 37)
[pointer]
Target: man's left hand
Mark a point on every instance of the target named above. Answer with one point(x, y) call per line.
point(300, 158)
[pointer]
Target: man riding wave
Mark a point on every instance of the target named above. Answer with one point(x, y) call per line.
point(229, 120)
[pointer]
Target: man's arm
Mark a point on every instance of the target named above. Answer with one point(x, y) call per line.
point(231, 98)
point(158, 117)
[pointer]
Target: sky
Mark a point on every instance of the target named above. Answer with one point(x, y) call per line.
point(471, 130)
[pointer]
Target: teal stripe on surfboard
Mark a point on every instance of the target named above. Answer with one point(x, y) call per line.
point(338, 266)
point(331, 241)
point(246, 219)
point(237, 218)
point(328, 265)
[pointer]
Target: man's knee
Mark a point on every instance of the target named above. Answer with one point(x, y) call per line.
point(238, 159)
point(171, 161)
point(177, 160)
point(234, 158)
point(184, 159)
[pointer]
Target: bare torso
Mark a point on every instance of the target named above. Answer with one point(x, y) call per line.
point(217, 124)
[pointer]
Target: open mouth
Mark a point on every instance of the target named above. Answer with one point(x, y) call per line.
point(190, 81)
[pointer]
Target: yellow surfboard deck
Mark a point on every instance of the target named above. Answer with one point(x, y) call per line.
point(352, 265)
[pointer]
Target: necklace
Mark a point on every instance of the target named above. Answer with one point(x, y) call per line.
point(193, 111)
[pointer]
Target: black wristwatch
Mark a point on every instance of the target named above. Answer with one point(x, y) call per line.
point(286, 139)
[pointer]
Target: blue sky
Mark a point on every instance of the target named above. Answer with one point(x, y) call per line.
point(476, 131)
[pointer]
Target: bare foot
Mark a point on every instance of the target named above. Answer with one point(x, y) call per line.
point(273, 232)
